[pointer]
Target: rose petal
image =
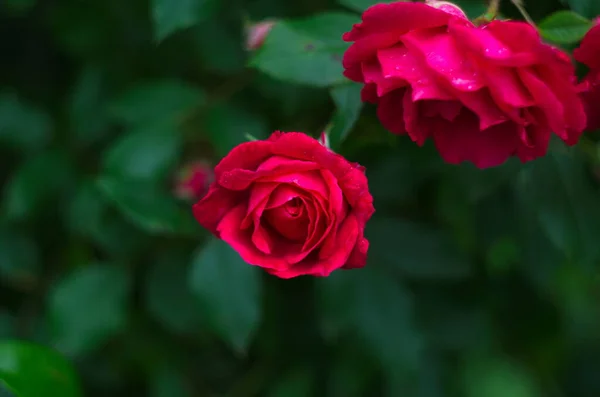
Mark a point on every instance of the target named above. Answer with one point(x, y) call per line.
point(346, 240)
point(480, 42)
point(240, 179)
point(588, 51)
point(441, 53)
point(506, 87)
point(547, 101)
point(398, 62)
point(464, 141)
point(240, 240)
point(214, 206)
point(372, 73)
point(397, 17)
point(310, 180)
point(388, 110)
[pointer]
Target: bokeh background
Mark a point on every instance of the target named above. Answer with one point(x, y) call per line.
point(478, 284)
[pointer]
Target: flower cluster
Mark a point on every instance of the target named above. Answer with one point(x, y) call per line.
point(482, 92)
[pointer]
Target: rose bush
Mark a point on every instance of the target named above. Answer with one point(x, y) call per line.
point(588, 53)
point(482, 93)
point(289, 205)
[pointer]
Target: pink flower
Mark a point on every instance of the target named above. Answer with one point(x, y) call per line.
point(588, 53)
point(289, 205)
point(482, 93)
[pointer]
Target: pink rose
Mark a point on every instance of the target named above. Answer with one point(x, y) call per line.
point(289, 205)
point(482, 93)
point(588, 53)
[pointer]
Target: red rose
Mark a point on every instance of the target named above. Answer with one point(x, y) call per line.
point(482, 94)
point(588, 53)
point(289, 205)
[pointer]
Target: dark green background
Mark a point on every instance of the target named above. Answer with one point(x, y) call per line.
point(478, 284)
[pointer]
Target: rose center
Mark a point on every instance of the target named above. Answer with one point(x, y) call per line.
point(294, 207)
point(289, 219)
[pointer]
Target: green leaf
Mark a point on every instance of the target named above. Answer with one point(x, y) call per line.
point(348, 106)
point(372, 306)
point(564, 27)
point(88, 307)
point(556, 189)
point(360, 5)
point(229, 290)
point(297, 383)
point(166, 288)
point(149, 208)
point(161, 100)
point(306, 51)
point(168, 383)
point(587, 8)
point(147, 152)
point(88, 118)
point(498, 378)
point(4, 391)
point(23, 126)
point(36, 182)
point(19, 259)
point(414, 250)
point(29, 370)
point(229, 125)
point(473, 8)
point(7, 325)
point(226, 55)
point(170, 16)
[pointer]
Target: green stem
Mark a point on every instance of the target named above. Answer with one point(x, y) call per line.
point(521, 7)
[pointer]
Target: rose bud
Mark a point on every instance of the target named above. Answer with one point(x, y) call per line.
point(257, 33)
point(481, 93)
point(193, 180)
point(588, 53)
point(289, 205)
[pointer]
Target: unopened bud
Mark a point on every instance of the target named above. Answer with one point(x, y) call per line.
point(193, 180)
point(257, 33)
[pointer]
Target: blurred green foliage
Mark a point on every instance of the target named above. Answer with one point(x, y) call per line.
point(479, 283)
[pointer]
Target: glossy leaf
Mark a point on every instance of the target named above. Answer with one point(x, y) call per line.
point(348, 106)
point(30, 370)
point(19, 259)
point(166, 287)
point(163, 100)
point(88, 117)
point(228, 126)
point(148, 152)
point(564, 27)
point(372, 306)
point(587, 8)
point(37, 181)
point(297, 383)
point(148, 207)
point(415, 250)
point(170, 16)
point(22, 125)
point(498, 378)
point(306, 51)
point(556, 189)
point(88, 307)
point(229, 292)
